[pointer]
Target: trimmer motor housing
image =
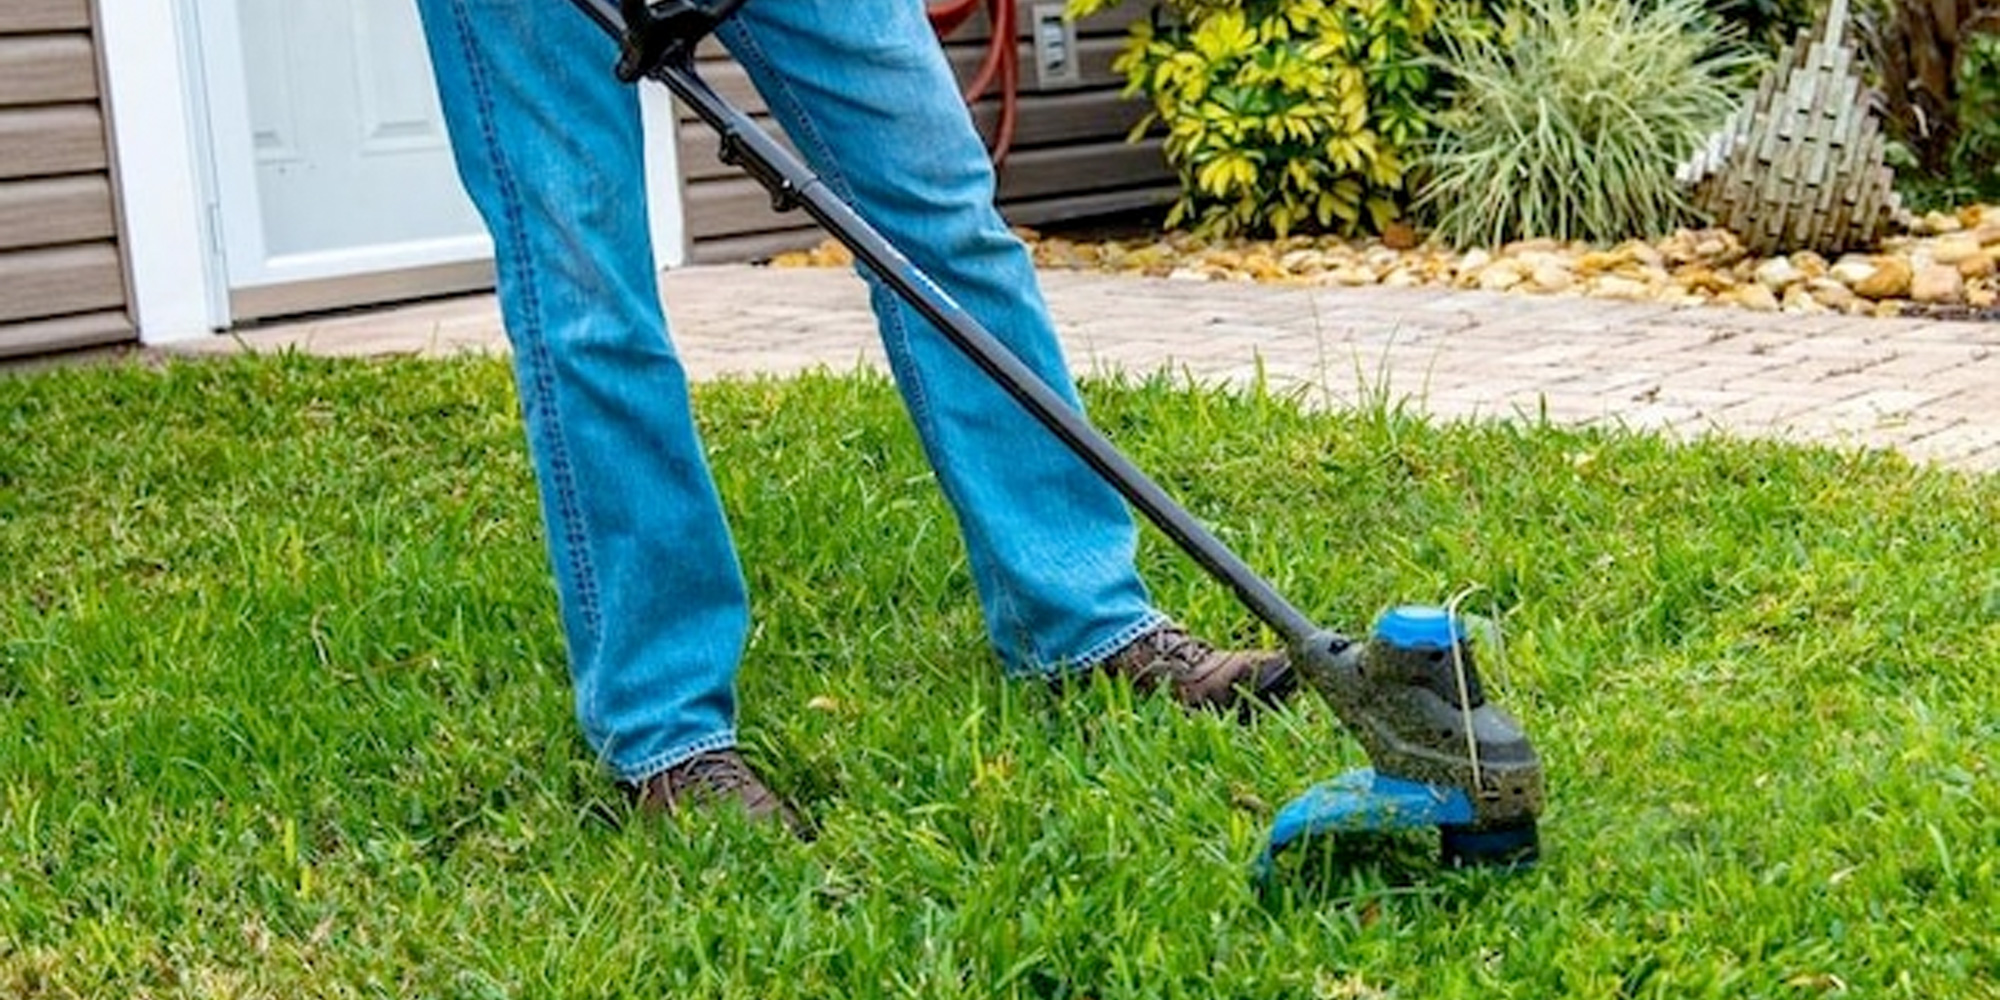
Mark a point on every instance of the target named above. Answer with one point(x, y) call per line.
point(1443, 755)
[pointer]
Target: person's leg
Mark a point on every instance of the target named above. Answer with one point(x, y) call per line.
point(653, 603)
point(864, 90)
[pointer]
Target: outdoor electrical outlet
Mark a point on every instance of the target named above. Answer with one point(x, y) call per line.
point(1055, 47)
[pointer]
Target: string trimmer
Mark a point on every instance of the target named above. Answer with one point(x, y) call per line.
point(1442, 754)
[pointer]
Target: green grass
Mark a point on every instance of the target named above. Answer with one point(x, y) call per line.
point(285, 713)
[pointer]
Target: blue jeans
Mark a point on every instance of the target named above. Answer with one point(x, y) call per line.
point(653, 603)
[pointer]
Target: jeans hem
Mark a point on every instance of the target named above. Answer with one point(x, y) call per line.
point(1096, 654)
point(674, 757)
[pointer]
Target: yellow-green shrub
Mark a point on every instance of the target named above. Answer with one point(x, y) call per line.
point(1282, 115)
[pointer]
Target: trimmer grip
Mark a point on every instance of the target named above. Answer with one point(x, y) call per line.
point(656, 31)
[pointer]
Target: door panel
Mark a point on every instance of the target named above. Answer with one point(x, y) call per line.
point(350, 144)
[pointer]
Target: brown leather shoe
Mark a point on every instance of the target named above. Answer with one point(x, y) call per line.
point(1202, 676)
point(716, 779)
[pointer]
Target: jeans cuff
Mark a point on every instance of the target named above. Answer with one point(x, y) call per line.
point(673, 757)
point(1089, 659)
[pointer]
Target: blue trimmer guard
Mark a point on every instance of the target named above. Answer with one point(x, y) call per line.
point(1362, 801)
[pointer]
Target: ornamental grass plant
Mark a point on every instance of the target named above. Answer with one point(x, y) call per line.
point(1568, 118)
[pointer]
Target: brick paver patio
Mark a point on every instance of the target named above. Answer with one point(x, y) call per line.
point(1929, 389)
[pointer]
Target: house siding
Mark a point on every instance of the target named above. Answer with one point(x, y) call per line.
point(62, 276)
point(1069, 157)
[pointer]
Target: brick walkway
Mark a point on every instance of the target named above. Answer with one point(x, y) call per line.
point(1929, 389)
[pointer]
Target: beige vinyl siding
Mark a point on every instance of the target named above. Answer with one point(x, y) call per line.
point(62, 278)
point(1069, 159)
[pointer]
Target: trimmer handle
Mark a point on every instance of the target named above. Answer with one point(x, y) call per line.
point(660, 30)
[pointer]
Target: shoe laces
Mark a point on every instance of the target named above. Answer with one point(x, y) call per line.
point(715, 773)
point(1176, 653)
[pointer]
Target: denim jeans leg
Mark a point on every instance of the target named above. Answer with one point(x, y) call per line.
point(864, 91)
point(652, 598)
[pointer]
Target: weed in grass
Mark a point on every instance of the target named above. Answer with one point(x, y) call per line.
point(286, 712)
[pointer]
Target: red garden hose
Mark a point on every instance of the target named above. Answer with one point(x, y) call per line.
point(1001, 65)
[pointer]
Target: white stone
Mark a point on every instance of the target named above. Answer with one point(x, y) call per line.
point(1937, 285)
point(1551, 277)
point(1954, 249)
point(1502, 275)
point(1852, 270)
point(1777, 273)
point(1831, 293)
point(1798, 300)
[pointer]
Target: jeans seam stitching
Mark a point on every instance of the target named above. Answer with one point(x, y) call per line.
point(538, 359)
point(746, 49)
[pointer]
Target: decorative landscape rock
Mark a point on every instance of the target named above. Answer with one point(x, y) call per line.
point(1778, 272)
point(1888, 279)
point(1752, 296)
point(1688, 267)
point(1551, 277)
point(1955, 248)
point(1829, 292)
point(1938, 284)
point(1853, 269)
point(1801, 166)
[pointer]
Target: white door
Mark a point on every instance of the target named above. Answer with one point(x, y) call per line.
point(334, 182)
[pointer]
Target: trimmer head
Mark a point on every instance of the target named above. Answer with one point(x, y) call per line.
point(1443, 755)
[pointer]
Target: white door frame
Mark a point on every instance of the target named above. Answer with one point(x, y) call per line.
point(165, 151)
point(159, 168)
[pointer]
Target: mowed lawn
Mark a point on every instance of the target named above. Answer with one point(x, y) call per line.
point(284, 712)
